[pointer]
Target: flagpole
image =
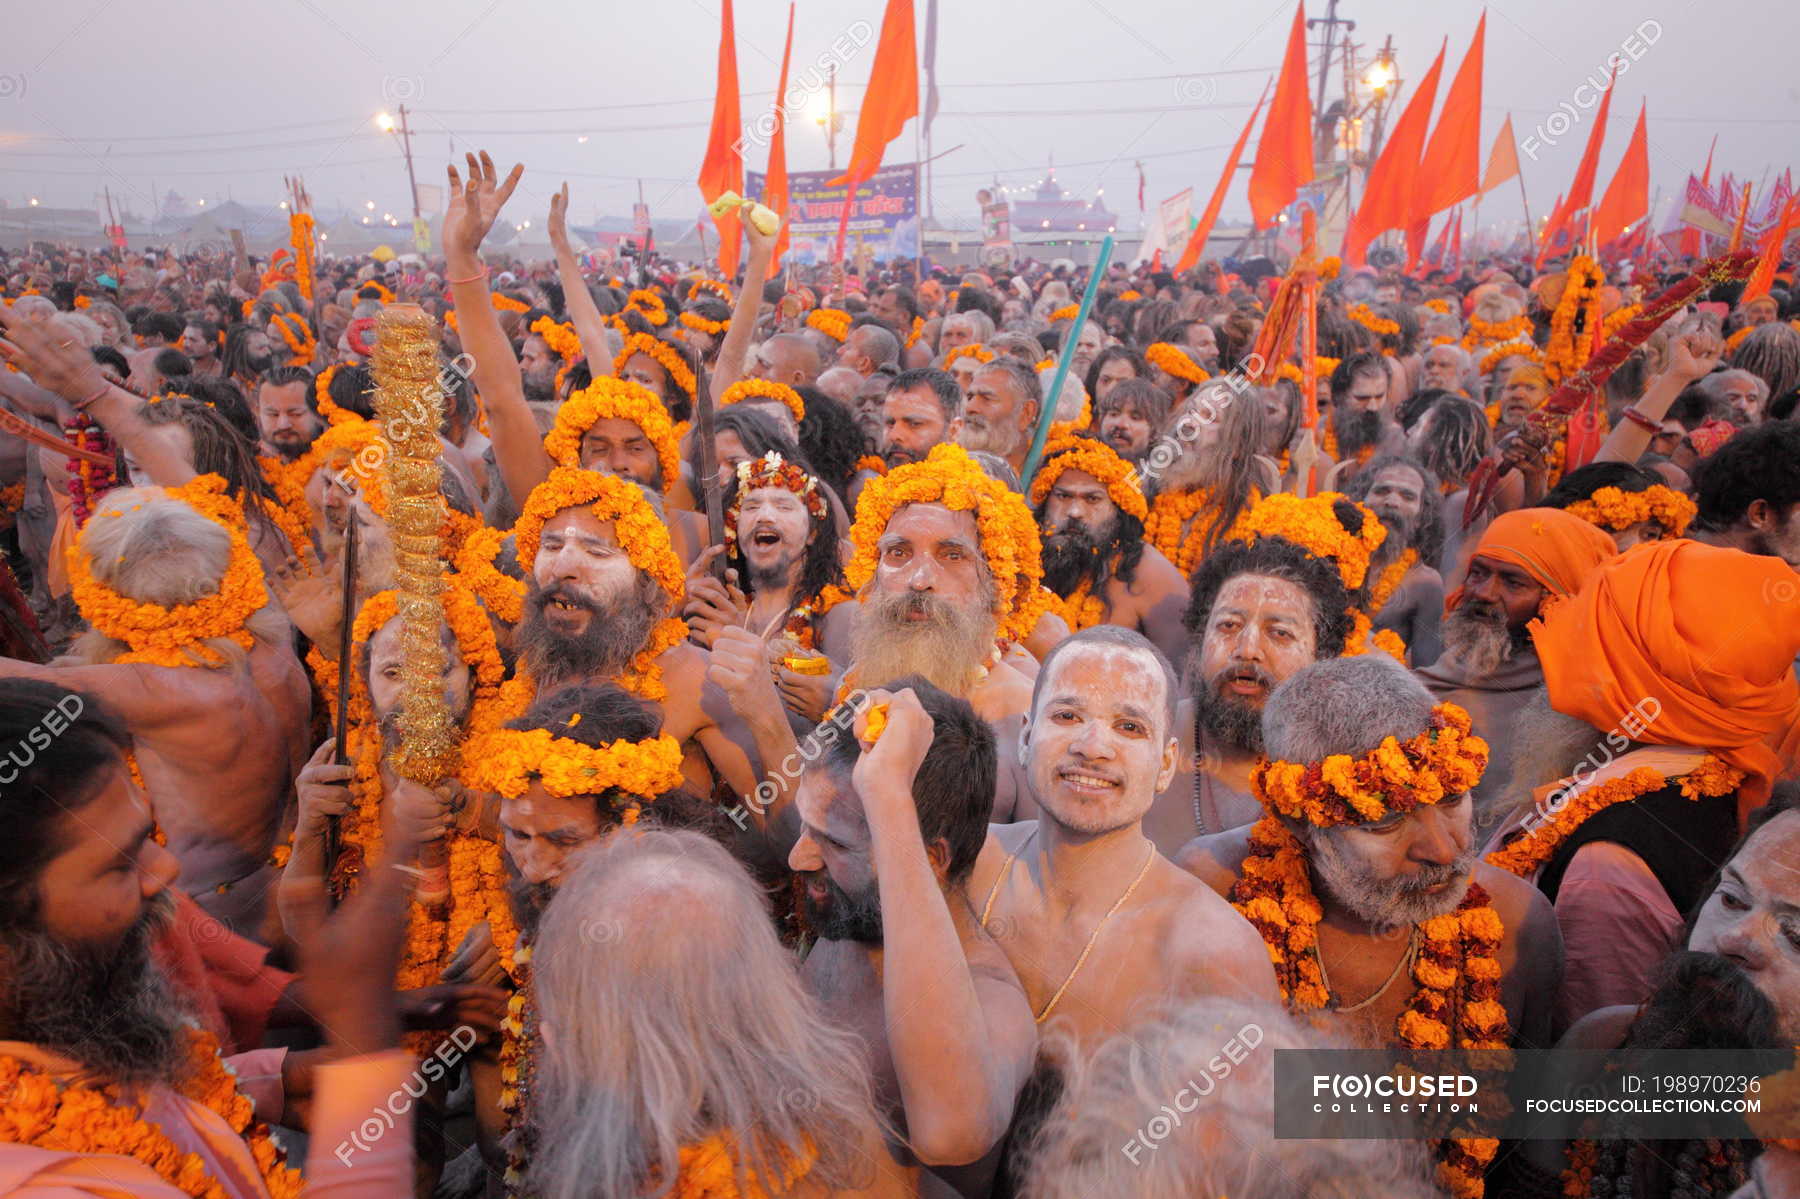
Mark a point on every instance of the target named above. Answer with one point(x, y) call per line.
point(1530, 229)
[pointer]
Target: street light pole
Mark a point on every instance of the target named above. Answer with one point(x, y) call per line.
point(406, 149)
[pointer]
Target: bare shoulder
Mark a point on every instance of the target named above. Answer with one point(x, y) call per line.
point(1210, 943)
point(1005, 693)
point(1003, 840)
point(1216, 859)
point(1157, 573)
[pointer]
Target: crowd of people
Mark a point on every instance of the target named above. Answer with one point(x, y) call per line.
point(1056, 703)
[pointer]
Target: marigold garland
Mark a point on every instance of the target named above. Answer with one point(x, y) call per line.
point(1382, 590)
point(300, 236)
point(974, 349)
point(1373, 321)
point(383, 292)
point(1524, 854)
point(1486, 333)
point(1616, 509)
point(1068, 312)
point(917, 331)
point(1172, 360)
point(1328, 443)
point(507, 761)
point(708, 1170)
point(1441, 762)
point(41, 1110)
point(475, 566)
point(1619, 318)
point(649, 305)
point(1079, 610)
point(1313, 525)
point(301, 343)
point(699, 324)
point(607, 398)
point(1566, 348)
point(1009, 535)
point(1168, 526)
point(177, 636)
point(1508, 349)
point(333, 413)
point(1095, 458)
point(1131, 294)
point(767, 389)
point(713, 285)
point(771, 470)
point(664, 354)
point(872, 462)
point(832, 322)
point(1439, 305)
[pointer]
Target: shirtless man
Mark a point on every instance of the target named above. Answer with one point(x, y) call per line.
point(218, 742)
point(1100, 928)
point(1378, 880)
point(1258, 613)
point(889, 833)
point(1405, 496)
point(1092, 521)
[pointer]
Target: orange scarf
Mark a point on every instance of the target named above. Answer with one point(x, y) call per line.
point(1559, 551)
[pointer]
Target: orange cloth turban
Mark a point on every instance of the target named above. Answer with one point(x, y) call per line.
point(1557, 550)
point(1698, 628)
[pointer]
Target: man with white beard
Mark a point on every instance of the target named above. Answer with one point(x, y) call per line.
point(1001, 410)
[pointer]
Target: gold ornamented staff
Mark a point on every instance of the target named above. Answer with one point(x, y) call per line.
point(410, 405)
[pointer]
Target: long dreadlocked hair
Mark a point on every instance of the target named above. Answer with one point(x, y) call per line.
point(1772, 354)
point(1458, 438)
point(1127, 546)
point(1428, 534)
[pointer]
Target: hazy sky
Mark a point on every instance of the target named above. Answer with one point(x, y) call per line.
point(216, 99)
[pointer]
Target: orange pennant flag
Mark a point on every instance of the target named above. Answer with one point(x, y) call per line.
point(1581, 191)
point(1628, 195)
point(1503, 159)
point(1284, 156)
point(723, 168)
point(1737, 230)
point(775, 184)
point(1387, 196)
point(1764, 275)
point(1197, 239)
point(892, 99)
point(1449, 171)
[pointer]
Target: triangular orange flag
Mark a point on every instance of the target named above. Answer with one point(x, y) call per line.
point(775, 183)
point(1737, 230)
point(1197, 239)
point(1628, 195)
point(1449, 170)
point(1503, 159)
point(891, 100)
point(1581, 190)
point(1764, 275)
point(1387, 199)
point(723, 168)
point(1284, 156)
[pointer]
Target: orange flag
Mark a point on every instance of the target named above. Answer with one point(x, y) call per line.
point(1197, 239)
point(892, 99)
point(1503, 159)
point(1765, 269)
point(1581, 191)
point(775, 184)
point(1387, 197)
point(1284, 156)
point(723, 169)
point(1449, 171)
point(1737, 230)
point(1628, 195)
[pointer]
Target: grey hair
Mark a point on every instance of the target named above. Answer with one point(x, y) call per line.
point(1074, 393)
point(1343, 706)
point(880, 344)
point(1713, 386)
point(672, 1014)
point(1228, 1145)
point(997, 468)
point(981, 321)
point(1546, 746)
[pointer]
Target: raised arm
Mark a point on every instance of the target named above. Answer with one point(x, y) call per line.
point(962, 1044)
point(518, 447)
point(584, 314)
point(1691, 356)
point(732, 351)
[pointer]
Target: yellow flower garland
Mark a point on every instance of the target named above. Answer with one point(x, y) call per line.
point(1373, 321)
point(1094, 458)
point(663, 353)
point(1009, 535)
point(1441, 762)
point(767, 389)
point(176, 636)
point(649, 305)
point(607, 398)
point(507, 761)
point(1168, 529)
point(974, 349)
point(1389, 582)
point(1173, 360)
point(1068, 312)
point(699, 324)
point(832, 322)
point(39, 1110)
point(1524, 854)
point(1616, 509)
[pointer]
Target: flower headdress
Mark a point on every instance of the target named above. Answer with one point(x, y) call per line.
point(767, 389)
point(1094, 457)
point(1617, 509)
point(300, 340)
point(614, 399)
point(329, 408)
point(974, 349)
point(1313, 525)
point(665, 354)
point(1067, 312)
point(1130, 294)
point(1441, 762)
point(1009, 535)
point(507, 761)
point(771, 470)
point(1173, 360)
point(1373, 321)
point(713, 285)
point(699, 324)
point(832, 322)
point(649, 305)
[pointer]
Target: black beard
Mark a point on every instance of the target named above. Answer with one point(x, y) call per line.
point(1355, 430)
point(1231, 720)
point(1073, 555)
point(261, 363)
point(616, 632)
point(842, 916)
point(539, 391)
point(529, 900)
point(107, 1006)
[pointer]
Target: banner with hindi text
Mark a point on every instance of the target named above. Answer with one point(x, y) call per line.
point(885, 221)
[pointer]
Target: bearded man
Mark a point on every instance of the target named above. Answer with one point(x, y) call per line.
point(1205, 472)
point(287, 413)
point(1361, 421)
point(1525, 559)
point(1091, 515)
point(90, 1023)
point(922, 408)
point(1000, 412)
point(1681, 654)
point(891, 822)
point(1130, 416)
point(1446, 367)
point(1406, 593)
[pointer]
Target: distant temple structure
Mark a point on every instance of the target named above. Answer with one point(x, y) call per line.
point(1056, 211)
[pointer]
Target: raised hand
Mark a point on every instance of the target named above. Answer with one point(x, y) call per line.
point(52, 358)
point(1694, 355)
point(476, 205)
point(559, 221)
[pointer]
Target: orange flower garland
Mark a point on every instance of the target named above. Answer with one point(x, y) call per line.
point(713, 285)
point(1616, 509)
point(767, 389)
point(708, 1171)
point(475, 566)
point(1486, 333)
point(608, 398)
point(1373, 321)
point(917, 331)
point(1095, 458)
point(1524, 854)
point(832, 322)
point(1009, 535)
point(300, 236)
point(649, 305)
point(1068, 312)
point(1508, 349)
point(160, 636)
point(974, 349)
point(1079, 610)
point(1439, 305)
point(663, 353)
point(301, 343)
point(1131, 294)
point(1312, 524)
point(507, 761)
point(1440, 763)
point(329, 408)
point(1173, 360)
point(1168, 526)
point(383, 292)
point(40, 1110)
point(699, 324)
point(561, 337)
point(1566, 349)
point(872, 462)
point(1389, 581)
